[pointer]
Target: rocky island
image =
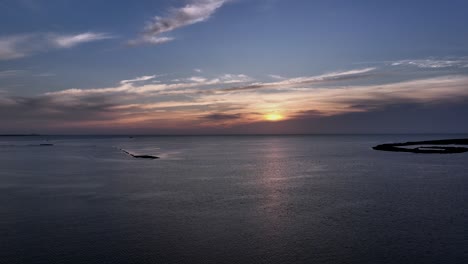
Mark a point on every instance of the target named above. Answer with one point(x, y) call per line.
point(140, 156)
point(432, 146)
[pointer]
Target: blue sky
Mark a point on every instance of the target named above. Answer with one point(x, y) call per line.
point(224, 66)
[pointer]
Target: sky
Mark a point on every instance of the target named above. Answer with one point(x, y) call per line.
point(233, 66)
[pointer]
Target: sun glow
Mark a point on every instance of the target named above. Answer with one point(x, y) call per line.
point(273, 117)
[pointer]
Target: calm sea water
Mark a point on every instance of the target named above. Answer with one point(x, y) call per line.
point(245, 199)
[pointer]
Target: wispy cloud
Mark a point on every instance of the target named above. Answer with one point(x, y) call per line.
point(330, 77)
point(23, 74)
point(45, 74)
point(139, 79)
point(432, 63)
point(11, 73)
point(150, 40)
point(22, 45)
point(132, 86)
point(277, 77)
point(221, 117)
point(235, 78)
point(51, 109)
point(198, 102)
point(13, 47)
point(197, 79)
point(68, 41)
point(329, 101)
point(226, 109)
point(194, 12)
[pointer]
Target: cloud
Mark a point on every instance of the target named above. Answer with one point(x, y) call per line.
point(197, 79)
point(194, 12)
point(14, 47)
point(11, 73)
point(329, 101)
point(234, 78)
point(19, 46)
point(139, 79)
point(330, 77)
point(277, 77)
point(221, 117)
point(193, 103)
point(198, 70)
point(307, 113)
point(432, 63)
point(407, 117)
point(294, 93)
point(150, 40)
point(131, 87)
point(45, 108)
point(68, 41)
point(45, 74)
point(23, 73)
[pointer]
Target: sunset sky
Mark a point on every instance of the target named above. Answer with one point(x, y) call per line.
point(233, 66)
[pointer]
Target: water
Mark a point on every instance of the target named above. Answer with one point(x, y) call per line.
point(245, 199)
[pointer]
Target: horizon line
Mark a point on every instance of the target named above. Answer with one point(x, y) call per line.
point(228, 134)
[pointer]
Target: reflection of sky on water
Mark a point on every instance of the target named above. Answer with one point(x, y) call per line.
point(311, 199)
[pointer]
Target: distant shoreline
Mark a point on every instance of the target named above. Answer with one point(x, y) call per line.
point(20, 135)
point(221, 135)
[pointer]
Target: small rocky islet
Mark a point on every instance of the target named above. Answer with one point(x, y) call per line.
point(431, 146)
point(140, 156)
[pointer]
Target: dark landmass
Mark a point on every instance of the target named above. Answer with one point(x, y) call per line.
point(140, 156)
point(19, 135)
point(39, 145)
point(432, 148)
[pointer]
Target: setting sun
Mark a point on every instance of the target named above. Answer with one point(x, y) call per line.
point(273, 117)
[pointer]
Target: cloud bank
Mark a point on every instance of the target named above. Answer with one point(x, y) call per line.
point(236, 103)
